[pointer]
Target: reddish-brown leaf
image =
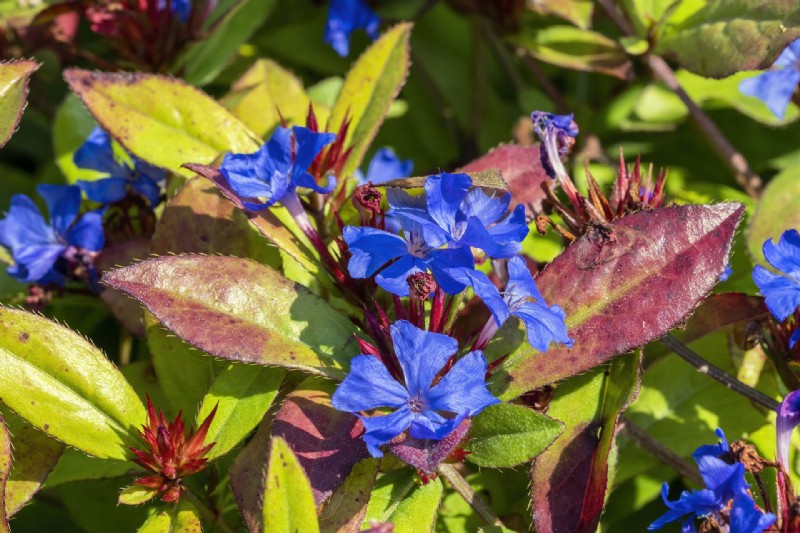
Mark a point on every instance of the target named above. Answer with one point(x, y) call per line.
point(623, 288)
point(426, 455)
point(521, 167)
point(327, 442)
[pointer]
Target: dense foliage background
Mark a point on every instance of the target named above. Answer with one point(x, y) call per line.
point(658, 80)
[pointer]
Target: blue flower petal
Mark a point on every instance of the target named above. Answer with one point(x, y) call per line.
point(513, 228)
point(306, 180)
point(368, 385)
point(725, 480)
point(790, 55)
point(386, 166)
point(372, 249)
point(745, 517)
point(488, 209)
point(381, 429)
point(485, 289)
point(477, 236)
point(24, 225)
point(463, 388)
point(346, 16)
point(714, 450)
point(785, 256)
point(543, 325)
point(421, 354)
point(307, 145)
point(87, 233)
point(242, 173)
point(63, 203)
point(794, 338)
point(782, 295)
point(106, 190)
point(444, 194)
point(432, 426)
point(393, 278)
point(774, 88)
point(521, 282)
point(96, 153)
point(34, 262)
point(149, 189)
point(442, 261)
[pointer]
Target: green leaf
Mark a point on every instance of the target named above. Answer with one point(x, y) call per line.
point(14, 76)
point(487, 179)
point(570, 479)
point(345, 509)
point(205, 60)
point(579, 12)
point(36, 455)
point(288, 502)
point(573, 48)
point(262, 318)
point(63, 385)
point(5, 470)
point(398, 500)
point(180, 518)
point(77, 466)
point(506, 435)
point(242, 394)
point(136, 495)
point(776, 212)
point(727, 36)
point(142, 111)
point(369, 89)
point(266, 93)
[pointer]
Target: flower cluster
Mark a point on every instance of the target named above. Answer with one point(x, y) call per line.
point(170, 454)
point(121, 177)
point(49, 252)
point(724, 501)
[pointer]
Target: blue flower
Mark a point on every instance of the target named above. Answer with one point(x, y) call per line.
point(556, 135)
point(419, 402)
point(97, 154)
point(788, 419)
point(522, 299)
point(345, 17)
point(385, 166)
point(37, 245)
point(181, 8)
point(276, 170)
point(439, 229)
point(723, 482)
point(725, 273)
point(776, 87)
point(781, 291)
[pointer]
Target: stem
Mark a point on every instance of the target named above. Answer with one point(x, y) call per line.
point(207, 513)
point(646, 442)
point(747, 179)
point(461, 486)
point(125, 347)
point(703, 366)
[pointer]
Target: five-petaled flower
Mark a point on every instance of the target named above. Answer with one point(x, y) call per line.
point(385, 166)
point(420, 401)
point(726, 491)
point(345, 17)
point(277, 169)
point(775, 87)
point(45, 252)
point(781, 291)
point(521, 298)
point(440, 228)
point(170, 453)
point(556, 136)
point(97, 153)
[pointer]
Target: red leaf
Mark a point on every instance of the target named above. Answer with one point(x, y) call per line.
point(426, 455)
point(521, 167)
point(327, 442)
point(622, 289)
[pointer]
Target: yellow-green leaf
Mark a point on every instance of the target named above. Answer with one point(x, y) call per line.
point(180, 518)
point(136, 494)
point(369, 90)
point(161, 119)
point(63, 385)
point(288, 501)
point(14, 77)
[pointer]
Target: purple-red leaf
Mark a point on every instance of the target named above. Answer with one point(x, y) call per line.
point(327, 442)
point(425, 455)
point(127, 311)
point(570, 479)
point(248, 476)
point(240, 310)
point(521, 167)
point(621, 289)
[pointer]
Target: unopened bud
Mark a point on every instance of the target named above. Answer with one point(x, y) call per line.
point(367, 199)
point(421, 285)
